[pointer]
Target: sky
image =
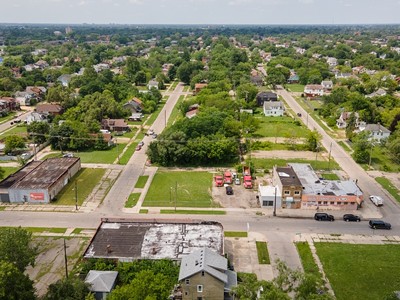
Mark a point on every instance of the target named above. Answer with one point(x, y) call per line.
point(201, 11)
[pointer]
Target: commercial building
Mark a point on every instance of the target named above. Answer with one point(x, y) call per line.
point(128, 240)
point(39, 181)
point(289, 186)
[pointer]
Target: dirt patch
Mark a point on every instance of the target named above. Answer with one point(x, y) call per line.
point(241, 198)
point(50, 265)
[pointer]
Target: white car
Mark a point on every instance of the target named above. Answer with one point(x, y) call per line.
point(378, 201)
point(237, 181)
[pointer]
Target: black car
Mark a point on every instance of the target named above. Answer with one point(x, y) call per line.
point(351, 218)
point(323, 217)
point(229, 190)
point(378, 224)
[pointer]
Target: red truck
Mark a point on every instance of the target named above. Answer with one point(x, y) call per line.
point(219, 180)
point(247, 180)
point(228, 177)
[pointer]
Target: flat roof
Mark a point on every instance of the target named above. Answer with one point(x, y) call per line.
point(315, 186)
point(128, 240)
point(45, 173)
point(17, 176)
point(287, 176)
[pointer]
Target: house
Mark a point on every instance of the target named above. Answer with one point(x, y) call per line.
point(152, 84)
point(35, 117)
point(266, 96)
point(204, 274)
point(101, 283)
point(192, 113)
point(273, 109)
point(294, 78)
point(332, 62)
point(135, 105)
point(64, 79)
point(341, 123)
point(49, 109)
point(289, 185)
point(41, 64)
point(340, 75)
point(327, 85)
point(107, 138)
point(256, 80)
point(377, 131)
point(8, 104)
point(358, 70)
point(100, 67)
point(378, 93)
point(114, 125)
point(312, 90)
point(318, 193)
point(198, 87)
point(135, 117)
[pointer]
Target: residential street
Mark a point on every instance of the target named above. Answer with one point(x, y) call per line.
point(368, 185)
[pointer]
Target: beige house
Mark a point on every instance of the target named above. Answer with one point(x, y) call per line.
point(204, 275)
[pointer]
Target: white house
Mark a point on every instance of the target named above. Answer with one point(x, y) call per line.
point(378, 93)
point(312, 90)
point(377, 131)
point(152, 84)
point(273, 108)
point(332, 61)
point(341, 123)
point(327, 85)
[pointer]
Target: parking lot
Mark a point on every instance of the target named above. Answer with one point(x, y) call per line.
point(241, 198)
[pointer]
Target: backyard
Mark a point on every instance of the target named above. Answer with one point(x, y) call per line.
point(281, 127)
point(361, 271)
point(269, 163)
point(180, 188)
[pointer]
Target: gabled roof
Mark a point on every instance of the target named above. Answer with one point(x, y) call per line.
point(204, 260)
point(273, 104)
point(101, 281)
point(376, 128)
point(49, 108)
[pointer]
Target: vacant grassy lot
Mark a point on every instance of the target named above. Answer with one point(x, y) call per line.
point(141, 182)
point(387, 185)
point(86, 180)
point(188, 189)
point(380, 160)
point(9, 170)
point(192, 212)
point(299, 88)
point(268, 164)
point(17, 130)
point(361, 271)
point(132, 200)
point(280, 127)
point(100, 157)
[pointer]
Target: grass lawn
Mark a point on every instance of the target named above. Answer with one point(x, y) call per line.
point(173, 85)
point(361, 271)
point(235, 234)
point(387, 185)
point(262, 252)
point(345, 146)
point(295, 87)
point(193, 189)
point(101, 157)
point(175, 114)
point(86, 181)
point(141, 182)
point(17, 130)
point(2, 208)
point(380, 160)
point(330, 176)
point(280, 127)
point(143, 211)
point(268, 164)
point(132, 200)
point(269, 146)
point(9, 117)
point(124, 159)
point(307, 260)
point(9, 170)
point(128, 134)
point(192, 212)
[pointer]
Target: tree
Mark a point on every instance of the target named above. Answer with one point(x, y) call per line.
point(13, 142)
point(39, 131)
point(71, 288)
point(362, 147)
point(14, 285)
point(313, 140)
point(140, 78)
point(394, 148)
point(16, 247)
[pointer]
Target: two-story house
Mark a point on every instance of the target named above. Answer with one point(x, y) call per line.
point(265, 97)
point(204, 275)
point(273, 109)
point(377, 131)
point(341, 123)
point(312, 90)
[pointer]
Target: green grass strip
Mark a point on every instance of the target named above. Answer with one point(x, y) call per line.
point(132, 200)
point(192, 212)
point(141, 182)
point(235, 234)
point(2, 208)
point(45, 229)
point(387, 185)
point(330, 176)
point(143, 211)
point(262, 252)
point(307, 260)
point(77, 230)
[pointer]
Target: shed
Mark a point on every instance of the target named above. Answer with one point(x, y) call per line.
point(101, 283)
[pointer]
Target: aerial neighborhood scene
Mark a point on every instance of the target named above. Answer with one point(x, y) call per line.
point(199, 150)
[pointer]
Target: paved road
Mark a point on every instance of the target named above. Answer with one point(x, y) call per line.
point(122, 188)
point(369, 186)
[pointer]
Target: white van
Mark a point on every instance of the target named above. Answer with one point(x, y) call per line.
point(104, 131)
point(378, 201)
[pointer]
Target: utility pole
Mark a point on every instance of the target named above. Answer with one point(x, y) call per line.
point(65, 260)
point(274, 213)
point(76, 195)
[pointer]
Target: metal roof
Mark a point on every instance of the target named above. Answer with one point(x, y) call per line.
point(101, 281)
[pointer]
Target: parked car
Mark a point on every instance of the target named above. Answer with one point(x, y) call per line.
point(378, 224)
point(17, 121)
point(237, 181)
point(141, 144)
point(323, 217)
point(68, 155)
point(154, 135)
point(378, 201)
point(26, 155)
point(150, 132)
point(138, 148)
point(229, 190)
point(351, 218)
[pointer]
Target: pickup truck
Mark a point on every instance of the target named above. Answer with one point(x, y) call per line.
point(228, 177)
point(219, 181)
point(247, 182)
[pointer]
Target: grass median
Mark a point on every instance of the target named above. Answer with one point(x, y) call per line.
point(387, 185)
point(192, 212)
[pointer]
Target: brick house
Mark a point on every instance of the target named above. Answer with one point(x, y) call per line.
point(115, 125)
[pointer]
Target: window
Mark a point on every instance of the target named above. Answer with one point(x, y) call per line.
point(268, 203)
point(297, 192)
point(200, 288)
point(202, 273)
point(287, 192)
point(187, 281)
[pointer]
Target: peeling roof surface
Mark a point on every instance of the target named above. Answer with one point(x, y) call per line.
point(127, 241)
